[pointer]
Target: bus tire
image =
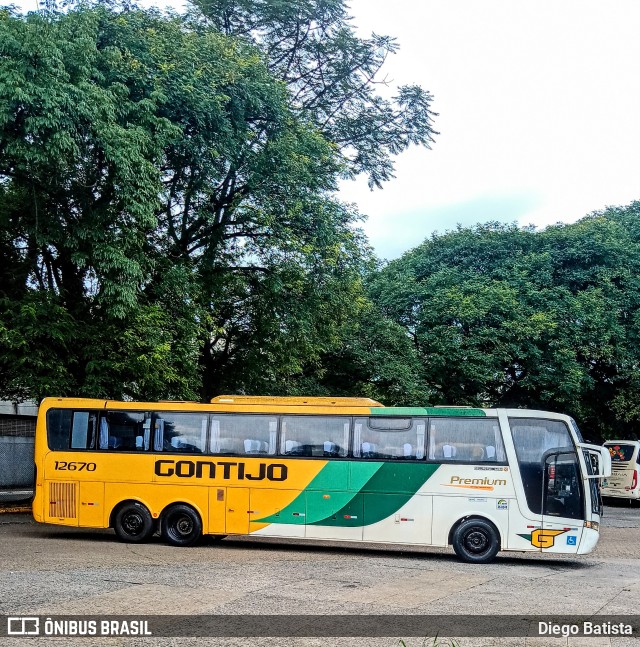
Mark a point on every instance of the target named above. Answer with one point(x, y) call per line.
point(476, 541)
point(181, 525)
point(133, 523)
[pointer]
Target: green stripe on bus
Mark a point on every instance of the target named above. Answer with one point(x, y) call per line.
point(329, 501)
point(427, 411)
point(398, 411)
point(340, 481)
point(387, 491)
point(400, 478)
point(455, 411)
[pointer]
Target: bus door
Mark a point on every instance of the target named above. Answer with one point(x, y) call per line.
point(563, 503)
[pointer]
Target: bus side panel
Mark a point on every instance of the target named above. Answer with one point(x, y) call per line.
point(61, 502)
point(522, 524)
point(237, 512)
point(461, 490)
point(217, 511)
point(562, 536)
point(326, 503)
point(91, 510)
point(285, 508)
point(406, 522)
point(548, 534)
point(448, 510)
point(334, 505)
point(334, 515)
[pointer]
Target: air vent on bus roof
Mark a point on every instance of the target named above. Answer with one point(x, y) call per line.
point(452, 406)
point(296, 401)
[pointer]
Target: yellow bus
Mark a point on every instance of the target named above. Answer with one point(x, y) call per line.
point(347, 469)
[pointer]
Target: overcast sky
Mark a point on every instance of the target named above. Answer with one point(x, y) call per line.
point(538, 106)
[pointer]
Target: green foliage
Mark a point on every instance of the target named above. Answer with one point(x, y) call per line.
point(167, 221)
point(168, 229)
point(509, 317)
point(36, 336)
point(374, 359)
point(331, 75)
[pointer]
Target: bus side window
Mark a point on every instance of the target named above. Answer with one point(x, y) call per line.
point(123, 431)
point(179, 432)
point(84, 430)
point(59, 428)
point(390, 438)
point(68, 429)
point(243, 434)
point(465, 440)
point(326, 436)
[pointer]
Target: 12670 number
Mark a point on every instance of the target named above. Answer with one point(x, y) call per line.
point(75, 466)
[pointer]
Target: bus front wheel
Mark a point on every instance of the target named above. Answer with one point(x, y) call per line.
point(181, 526)
point(476, 541)
point(133, 523)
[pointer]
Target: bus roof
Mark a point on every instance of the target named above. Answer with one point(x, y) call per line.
point(274, 404)
point(296, 401)
point(429, 411)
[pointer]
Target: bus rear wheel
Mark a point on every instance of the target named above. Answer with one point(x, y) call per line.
point(476, 541)
point(181, 526)
point(133, 523)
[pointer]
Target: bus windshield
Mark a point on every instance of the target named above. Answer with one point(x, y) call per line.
point(545, 452)
point(621, 453)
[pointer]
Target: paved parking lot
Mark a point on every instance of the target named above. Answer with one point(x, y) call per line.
point(46, 570)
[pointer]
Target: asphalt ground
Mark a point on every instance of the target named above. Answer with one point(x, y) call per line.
point(52, 571)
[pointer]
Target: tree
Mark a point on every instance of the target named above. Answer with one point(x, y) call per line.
point(116, 129)
point(78, 192)
point(167, 208)
point(332, 76)
point(502, 316)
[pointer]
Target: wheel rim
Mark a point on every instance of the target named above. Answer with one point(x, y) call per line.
point(133, 523)
point(477, 541)
point(181, 526)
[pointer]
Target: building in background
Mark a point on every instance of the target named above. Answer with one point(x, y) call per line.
point(17, 431)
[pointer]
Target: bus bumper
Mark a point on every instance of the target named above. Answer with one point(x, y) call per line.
point(621, 494)
point(36, 506)
point(588, 541)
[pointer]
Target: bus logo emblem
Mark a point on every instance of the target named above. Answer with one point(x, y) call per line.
point(543, 538)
